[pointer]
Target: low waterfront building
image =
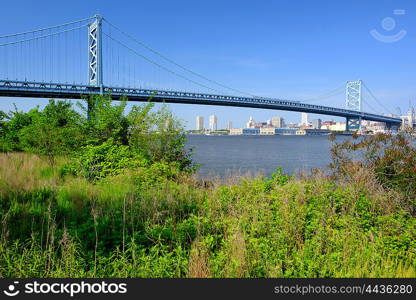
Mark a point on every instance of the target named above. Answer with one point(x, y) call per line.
point(251, 131)
point(267, 131)
point(285, 131)
point(309, 131)
point(338, 126)
point(236, 131)
point(327, 125)
point(373, 126)
point(263, 131)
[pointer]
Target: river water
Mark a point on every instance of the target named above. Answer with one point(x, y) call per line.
point(229, 155)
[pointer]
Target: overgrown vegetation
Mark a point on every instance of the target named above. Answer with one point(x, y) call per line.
point(113, 195)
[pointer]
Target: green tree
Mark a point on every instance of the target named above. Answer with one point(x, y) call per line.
point(105, 120)
point(54, 131)
point(10, 126)
point(158, 136)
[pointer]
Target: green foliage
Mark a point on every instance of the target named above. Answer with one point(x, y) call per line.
point(158, 136)
point(51, 132)
point(276, 178)
point(10, 126)
point(144, 135)
point(155, 221)
point(107, 159)
point(105, 120)
point(54, 131)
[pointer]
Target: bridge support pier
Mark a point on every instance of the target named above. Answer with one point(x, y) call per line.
point(392, 127)
point(353, 124)
point(95, 60)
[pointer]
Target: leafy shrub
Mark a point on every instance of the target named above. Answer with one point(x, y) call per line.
point(276, 178)
point(107, 159)
point(60, 130)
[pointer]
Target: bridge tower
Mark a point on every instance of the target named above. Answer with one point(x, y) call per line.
point(353, 102)
point(95, 51)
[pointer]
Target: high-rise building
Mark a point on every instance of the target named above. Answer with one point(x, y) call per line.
point(304, 119)
point(199, 123)
point(251, 123)
point(213, 122)
point(411, 117)
point(229, 125)
point(278, 122)
point(316, 123)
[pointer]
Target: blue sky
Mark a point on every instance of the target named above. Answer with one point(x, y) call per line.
point(284, 48)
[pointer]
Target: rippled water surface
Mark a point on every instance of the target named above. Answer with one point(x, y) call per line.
point(222, 155)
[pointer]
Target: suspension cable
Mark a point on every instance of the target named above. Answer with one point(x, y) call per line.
point(175, 63)
point(372, 108)
point(42, 36)
point(199, 75)
point(46, 28)
point(375, 98)
point(159, 65)
point(325, 95)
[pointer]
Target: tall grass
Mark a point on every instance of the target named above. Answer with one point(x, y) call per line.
point(140, 224)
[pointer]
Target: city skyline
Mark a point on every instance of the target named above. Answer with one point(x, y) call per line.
point(274, 121)
point(278, 122)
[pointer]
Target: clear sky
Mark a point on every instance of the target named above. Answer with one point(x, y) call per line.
point(284, 48)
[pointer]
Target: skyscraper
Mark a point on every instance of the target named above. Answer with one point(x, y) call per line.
point(278, 122)
point(304, 119)
point(199, 123)
point(316, 123)
point(229, 125)
point(411, 116)
point(213, 122)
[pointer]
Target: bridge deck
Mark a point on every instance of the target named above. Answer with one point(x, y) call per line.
point(75, 91)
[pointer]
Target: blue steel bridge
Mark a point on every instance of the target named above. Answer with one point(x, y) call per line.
point(51, 63)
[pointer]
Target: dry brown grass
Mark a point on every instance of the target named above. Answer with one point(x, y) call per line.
point(237, 255)
point(21, 172)
point(363, 179)
point(198, 261)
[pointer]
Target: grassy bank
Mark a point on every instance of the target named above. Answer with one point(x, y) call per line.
point(101, 192)
point(157, 222)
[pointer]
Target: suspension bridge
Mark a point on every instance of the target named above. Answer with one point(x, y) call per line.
point(52, 62)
